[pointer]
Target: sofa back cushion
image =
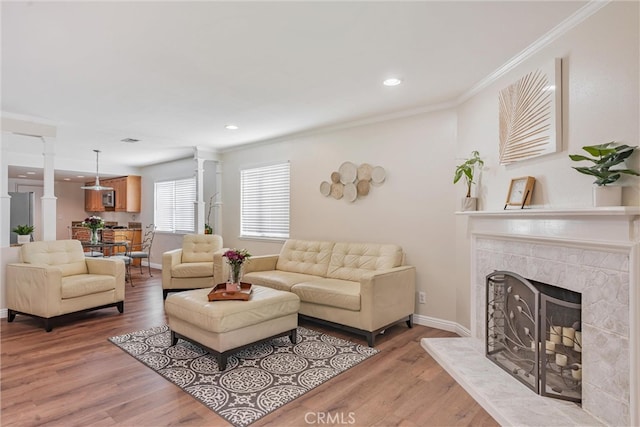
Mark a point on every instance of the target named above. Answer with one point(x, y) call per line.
point(200, 247)
point(305, 256)
point(67, 255)
point(349, 261)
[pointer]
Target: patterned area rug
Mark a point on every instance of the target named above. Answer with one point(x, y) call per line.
point(257, 380)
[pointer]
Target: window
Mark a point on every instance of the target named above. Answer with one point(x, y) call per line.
point(174, 205)
point(264, 210)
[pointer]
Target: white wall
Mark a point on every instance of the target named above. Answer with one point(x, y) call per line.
point(178, 169)
point(601, 104)
point(413, 207)
point(600, 64)
point(69, 207)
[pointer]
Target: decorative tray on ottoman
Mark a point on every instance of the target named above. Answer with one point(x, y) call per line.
point(220, 292)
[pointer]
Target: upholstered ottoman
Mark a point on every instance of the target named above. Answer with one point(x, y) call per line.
point(224, 327)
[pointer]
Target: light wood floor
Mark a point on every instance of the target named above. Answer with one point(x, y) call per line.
point(73, 376)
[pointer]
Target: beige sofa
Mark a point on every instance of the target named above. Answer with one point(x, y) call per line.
point(191, 267)
point(55, 278)
point(360, 287)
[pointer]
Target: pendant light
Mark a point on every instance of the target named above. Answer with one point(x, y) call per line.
point(96, 186)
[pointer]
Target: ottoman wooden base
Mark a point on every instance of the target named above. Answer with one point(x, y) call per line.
point(221, 358)
point(224, 327)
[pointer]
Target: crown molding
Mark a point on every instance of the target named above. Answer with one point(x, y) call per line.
point(578, 17)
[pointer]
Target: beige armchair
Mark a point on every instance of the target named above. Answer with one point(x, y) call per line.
point(55, 278)
point(191, 267)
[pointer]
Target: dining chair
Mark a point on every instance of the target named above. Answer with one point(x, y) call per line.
point(120, 241)
point(144, 251)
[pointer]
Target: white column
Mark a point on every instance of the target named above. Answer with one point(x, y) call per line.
point(49, 200)
point(217, 203)
point(5, 200)
point(199, 203)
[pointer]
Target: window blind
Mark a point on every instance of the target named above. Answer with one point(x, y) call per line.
point(174, 205)
point(264, 210)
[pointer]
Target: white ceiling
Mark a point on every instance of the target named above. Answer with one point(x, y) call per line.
point(173, 74)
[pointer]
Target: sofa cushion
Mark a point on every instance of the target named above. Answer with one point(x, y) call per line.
point(349, 261)
point(200, 247)
point(305, 257)
point(332, 292)
point(86, 284)
point(193, 269)
point(67, 255)
point(276, 279)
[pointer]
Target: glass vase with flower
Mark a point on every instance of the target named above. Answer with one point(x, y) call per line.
point(93, 223)
point(236, 259)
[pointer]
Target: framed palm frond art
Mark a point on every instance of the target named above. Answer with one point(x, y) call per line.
point(531, 115)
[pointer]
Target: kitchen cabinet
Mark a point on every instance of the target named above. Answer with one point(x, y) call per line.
point(120, 189)
point(128, 193)
point(127, 190)
point(93, 200)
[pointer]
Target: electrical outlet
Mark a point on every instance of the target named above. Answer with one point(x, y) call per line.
point(422, 297)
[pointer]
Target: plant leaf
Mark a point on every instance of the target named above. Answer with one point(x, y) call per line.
point(579, 157)
point(599, 150)
point(457, 176)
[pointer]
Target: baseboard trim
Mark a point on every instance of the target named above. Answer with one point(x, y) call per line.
point(432, 322)
point(445, 325)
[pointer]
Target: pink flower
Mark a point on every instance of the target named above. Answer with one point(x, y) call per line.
point(237, 257)
point(93, 222)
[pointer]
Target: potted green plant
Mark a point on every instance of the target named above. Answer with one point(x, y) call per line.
point(23, 232)
point(467, 170)
point(605, 157)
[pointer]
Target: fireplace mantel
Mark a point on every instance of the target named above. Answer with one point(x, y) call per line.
point(630, 212)
point(614, 226)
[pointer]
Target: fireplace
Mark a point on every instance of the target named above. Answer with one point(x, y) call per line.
point(595, 252)
point(534, 333)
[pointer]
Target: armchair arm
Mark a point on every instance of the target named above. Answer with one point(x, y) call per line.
point(169, 259)
point(220, 267)
point(34, 289)
point(387, 296)
point(255, 263)
point(106, 266)
point(109, 267)
point(261, 263)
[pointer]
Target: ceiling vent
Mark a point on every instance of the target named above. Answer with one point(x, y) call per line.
point(130, 140)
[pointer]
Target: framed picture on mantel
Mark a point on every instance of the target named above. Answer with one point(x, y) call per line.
point(520, 191)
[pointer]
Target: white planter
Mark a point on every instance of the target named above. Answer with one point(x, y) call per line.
point(607, 195)
point(24, 239)
point(469, 204)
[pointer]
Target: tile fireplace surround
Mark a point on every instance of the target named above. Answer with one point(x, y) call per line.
point(592, 251)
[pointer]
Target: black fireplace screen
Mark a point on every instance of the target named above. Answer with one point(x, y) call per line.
point(533, 331)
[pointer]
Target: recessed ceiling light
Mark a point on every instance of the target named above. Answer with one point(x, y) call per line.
point(22, 176)
point(231, 127)
point(393, 81)
point(67, 179)
point(79, 176)
point(31, 173)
